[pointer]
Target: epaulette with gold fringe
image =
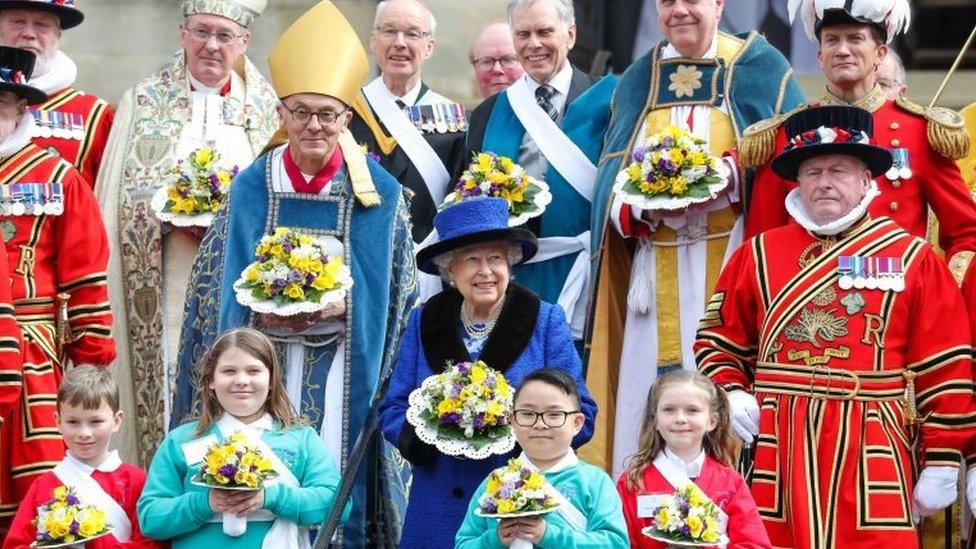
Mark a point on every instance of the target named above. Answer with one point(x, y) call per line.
point(759, 140)
point(945, 128)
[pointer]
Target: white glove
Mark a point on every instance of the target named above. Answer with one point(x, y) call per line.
point(744, 414)
point(936, 489)
point(971, 489)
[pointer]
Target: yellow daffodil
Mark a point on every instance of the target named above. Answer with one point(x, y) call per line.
point(92, 523)
point(695, 526)
point(634, 172)
point(447, 406)
point(506, 164)
point(61, 492)
point(663, 518)
point(294, 291)
point(506, 506)
point(679, 185)
point(493, 485)
point(478, 374)
point(535, 481)
point(498, 178)
point(484, 162)
point(204, 156)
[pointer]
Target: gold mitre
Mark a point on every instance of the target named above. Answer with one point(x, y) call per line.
point(243, 12)
point(319, 53)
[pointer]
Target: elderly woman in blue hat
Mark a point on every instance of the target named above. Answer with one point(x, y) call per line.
point(481, 315)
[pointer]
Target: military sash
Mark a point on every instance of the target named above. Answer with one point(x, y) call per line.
point(564, 155)
point(410, 139)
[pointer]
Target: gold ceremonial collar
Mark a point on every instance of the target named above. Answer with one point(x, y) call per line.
point(870, 102)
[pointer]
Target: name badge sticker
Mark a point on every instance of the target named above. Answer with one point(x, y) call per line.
point(195, 450)
point(648, 503)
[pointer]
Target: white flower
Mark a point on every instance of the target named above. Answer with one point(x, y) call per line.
point(827, 135)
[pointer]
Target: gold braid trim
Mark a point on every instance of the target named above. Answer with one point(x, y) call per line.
point(385, 142)
point(362, 181)
point(945, 128)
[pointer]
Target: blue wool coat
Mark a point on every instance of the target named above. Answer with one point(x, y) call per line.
point(529, 335)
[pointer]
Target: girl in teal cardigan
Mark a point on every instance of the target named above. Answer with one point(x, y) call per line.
point(241, 391)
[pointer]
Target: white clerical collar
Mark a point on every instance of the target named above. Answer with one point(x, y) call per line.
point(110, 464)
point(229, 424)
point(565, 462)
point(670, 52)
point(410, 98)
point(796, 210)
point(20, 137)
point(200, 87)
point(561, 81)
point(692, 468)
point(60, 74)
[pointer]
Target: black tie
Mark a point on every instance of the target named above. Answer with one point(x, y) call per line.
point(543, 96)
point(400, 104)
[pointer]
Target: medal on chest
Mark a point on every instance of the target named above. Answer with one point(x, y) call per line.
point(900, 168)
point(870, 273)
point(33, 199)
point(58, 124)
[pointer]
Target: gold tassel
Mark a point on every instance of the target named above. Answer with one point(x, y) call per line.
point(946, 131)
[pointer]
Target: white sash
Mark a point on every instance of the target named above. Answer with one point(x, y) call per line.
point(283, 534)
point(558, 149)
point(570, 513)
point(77, 475)
point(575, 295)
point(678, 478)
point(410, 139)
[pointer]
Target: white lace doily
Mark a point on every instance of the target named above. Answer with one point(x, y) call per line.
point(78, 542)
point(481, 513)
point(245, 298)
point(450, 446)
point(158, 203)
point(663, 202)
point(650, 532)
point(542, 199)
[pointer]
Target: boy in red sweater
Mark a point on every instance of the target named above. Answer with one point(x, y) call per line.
point(88, 415)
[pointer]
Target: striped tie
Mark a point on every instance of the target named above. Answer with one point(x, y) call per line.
point(543, 96)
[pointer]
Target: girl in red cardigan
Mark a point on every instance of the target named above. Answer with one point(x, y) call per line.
point(685, 433)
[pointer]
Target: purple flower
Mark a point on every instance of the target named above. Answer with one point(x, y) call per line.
point(228, 470)
point(667, 142)
point(479, 421)
point(490, 381)
point(373, 156)
point(464, 368)
point(74, 527)
point(72, 499)
point(287, 246)
point(640, 153)
point(505, 491)
point(294, 276)
point(489, 506)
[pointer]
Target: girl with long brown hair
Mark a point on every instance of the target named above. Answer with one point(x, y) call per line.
point(241, 391)
point(685, 437)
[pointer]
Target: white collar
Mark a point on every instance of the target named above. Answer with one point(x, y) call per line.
point(799, 213)
point(410, 98)
point(229, 424)
point(200, 87)
point(110, 464)
point(670, 52)
point(61, 73)
point(561, 81)
point(21, 136)
point(565, 462)
point(692, 468)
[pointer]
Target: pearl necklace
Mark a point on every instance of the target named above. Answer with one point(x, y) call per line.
point(481, 331)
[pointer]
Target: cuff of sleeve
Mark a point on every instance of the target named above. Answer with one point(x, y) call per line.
point(552, 536)
point(414, 450)
point(942, 457)
point(272, 497)
point(200, 506)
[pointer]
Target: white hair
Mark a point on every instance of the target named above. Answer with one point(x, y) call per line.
point(431, 20)
point(444, 260)
point(563, 7)
point(898, 64)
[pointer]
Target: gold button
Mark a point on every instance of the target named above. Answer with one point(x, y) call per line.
point(893, 206)
point(896, 183)
point(895, 125)
point(895, 142)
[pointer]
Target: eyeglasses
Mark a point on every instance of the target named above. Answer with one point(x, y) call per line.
point(223, 37)
point(888, 83)
point(410, 35)
point(485, 64)
point(301, 115)
point(550, 418)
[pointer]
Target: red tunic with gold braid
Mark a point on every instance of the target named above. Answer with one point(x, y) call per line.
point(838, 375)
point(85, 154)
point(935, 182)
point(50, 255)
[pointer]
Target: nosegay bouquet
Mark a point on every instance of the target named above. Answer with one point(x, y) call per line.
point(464, 411)
point(499, 176)
point(292, 274)
point(200, 187)
point(671, 170)
point(235, 464)
point(516, 490)
point(687, 519)
point(66, 520)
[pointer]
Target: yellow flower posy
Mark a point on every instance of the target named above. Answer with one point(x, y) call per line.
point(66, 519)
point(688, 516)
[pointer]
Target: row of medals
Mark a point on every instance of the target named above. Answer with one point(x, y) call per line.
point(871, 273)
point(438, 117)
point(62, 125)
point(31, 199)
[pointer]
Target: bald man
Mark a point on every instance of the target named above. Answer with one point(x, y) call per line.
point(494, 60)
